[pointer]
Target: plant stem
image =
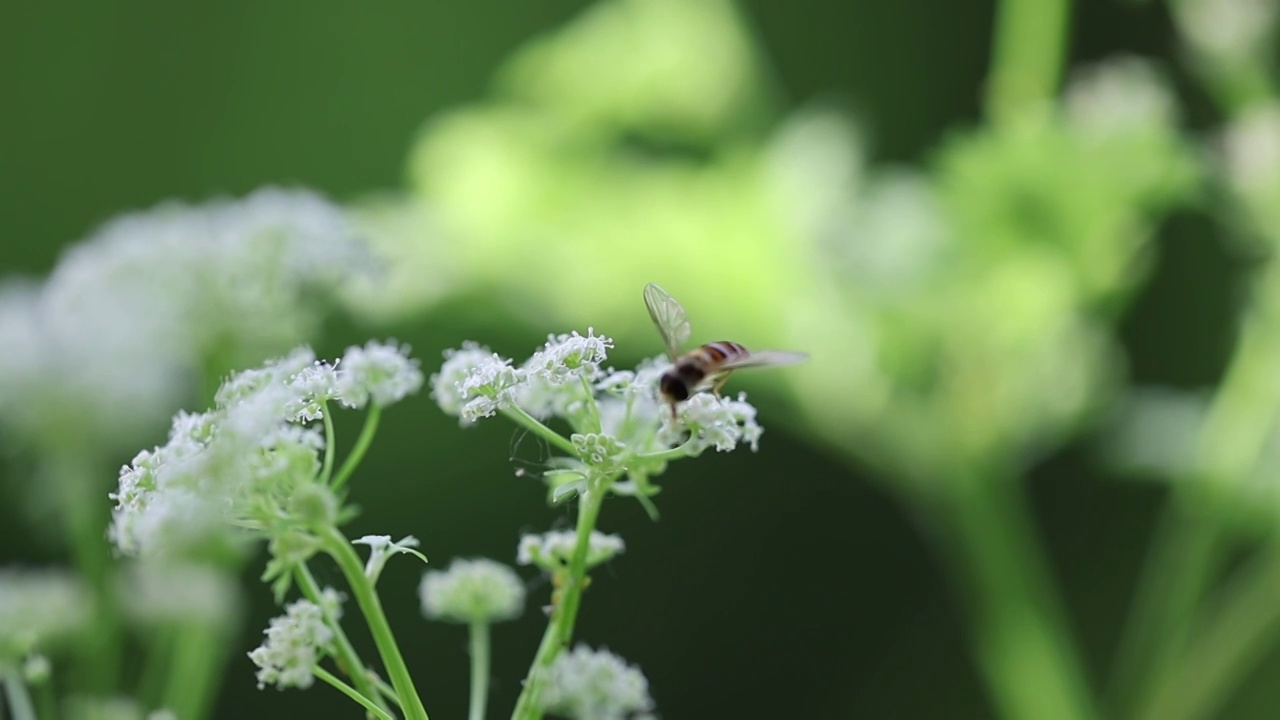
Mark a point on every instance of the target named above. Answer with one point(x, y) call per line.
point(337, 545)
point(348, 660)
point(197, 653)
point(1186, 551)
point(361, 447)
point(1023, 645)
point(1237, 636)
point(352, 693)
point(326, 470)
point(564, 612)
point(19, 700)
point(479, 670)
point(1027, 56)
point(532, 424)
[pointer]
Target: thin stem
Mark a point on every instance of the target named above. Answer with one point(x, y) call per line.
point(361, 447)
point(1027, 56)
point(564, 611)
point(337, 545)
point(348, 660)
point(1237, 637)
point(352, 693)
point(384, 689)
point(593, 411)
point(197, 653)
point(479, 670)
point(19, 700)
point(1186, 553)
point(326, 471)
point(675, 453)
point(1023, 644)
point(532, 424)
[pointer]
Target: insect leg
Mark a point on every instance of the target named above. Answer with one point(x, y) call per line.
point(720, 381)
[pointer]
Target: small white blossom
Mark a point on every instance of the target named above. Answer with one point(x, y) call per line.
point(381, 372)
point(470, 591)
point(553, 550)
point(381, 549)
point(38, 607)
point(1122, 94)
point(1251, 153)
point(566, 358)
point(313, 387)
point(488, 388)
point(162, 714)
point(36, 669)
point(718, 422)
point(586, 684)
point(1227, 31)
point(446, 385)
point(295, 643)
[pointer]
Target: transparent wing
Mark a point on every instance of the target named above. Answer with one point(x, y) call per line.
point(766, 358)
point(668, 315)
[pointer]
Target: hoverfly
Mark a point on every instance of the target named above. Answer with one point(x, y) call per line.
point(707, 366)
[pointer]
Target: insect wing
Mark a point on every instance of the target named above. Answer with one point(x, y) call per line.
point(765, 358)
point(668, 315)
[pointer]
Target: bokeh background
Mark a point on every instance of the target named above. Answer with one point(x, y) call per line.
point(801, 581)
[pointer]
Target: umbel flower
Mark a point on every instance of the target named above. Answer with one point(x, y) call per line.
point(130, 318)
point(252, 465)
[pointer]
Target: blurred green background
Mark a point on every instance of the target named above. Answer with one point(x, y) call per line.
point(781, 584)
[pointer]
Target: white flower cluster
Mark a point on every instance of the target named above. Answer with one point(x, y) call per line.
point(472, 591)
point(165, 593)
point(38, 607)
point(295, 643)
point(1226, 31)
point(566, 379)
point(1119, 95)
point(554, 550)
point(249, 462)
point(128, 321)
point(586, 684)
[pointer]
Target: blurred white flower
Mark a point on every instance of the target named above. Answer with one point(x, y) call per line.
point(39, 607)
point(471, 591)
point(129, 320)
point(586, 684)
point(81, 707)
point(381, 548)
point(554, 550)
point(1226, 31)
point(1251, 152)
point(296, 641)
point(161, 593)
point(1121, 94)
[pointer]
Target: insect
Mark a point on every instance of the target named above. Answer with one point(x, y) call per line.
point(708, 365)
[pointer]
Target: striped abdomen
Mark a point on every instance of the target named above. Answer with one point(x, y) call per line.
point(692, 369)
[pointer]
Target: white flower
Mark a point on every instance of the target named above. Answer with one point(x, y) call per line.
point(81, 707)
point(313, 387)
point(1121, 94)
point(553, 550)
point(718, 422)
point(470, 591)
point(1251, 152)
point(36, 669)
point(1226, 31)
point(381, 372)
point(381, 549)
point(295, 643)
point(586, 684)
point(38, 607)
point(122, 329)
point(474, 382)
point(566, 358)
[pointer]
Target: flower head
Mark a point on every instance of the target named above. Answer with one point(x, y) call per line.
point(381, 548)
point(295, 643)
point(469, 591)
point(38, 607)
point(553, 550)
point(567, 357)
point(379, 372)
point(718, 422)
point(586, 684)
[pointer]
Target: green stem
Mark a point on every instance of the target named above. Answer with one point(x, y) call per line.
point(479, 670)
point(564, 612)
point(675, 453)
point(384, 689)
point(156, 664)
point(326, 471)
point(593, 410)
point(1027, 56)
point(348, 660)
point(198, 653)
point(352, 693)
point(361, 447)
point(530, 423)
point(19, 700)
point(1186, 553)
point(1023, 644)
point(1238, 635)
point(337, 545)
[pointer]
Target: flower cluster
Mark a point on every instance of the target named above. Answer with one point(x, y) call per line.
point(619, 422)
point(295, 643)
point(472, 591)
point(38, 607)
point(129, 320)
point(586, 684)
point(251, 463)
point(553, 550)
